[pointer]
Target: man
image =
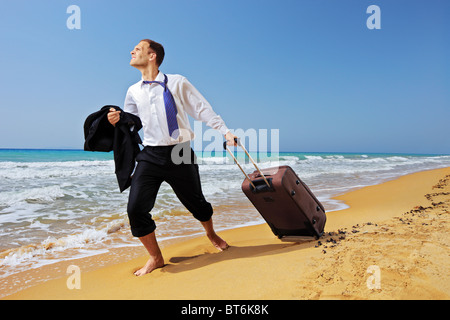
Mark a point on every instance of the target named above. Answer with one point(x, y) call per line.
point(162, 102)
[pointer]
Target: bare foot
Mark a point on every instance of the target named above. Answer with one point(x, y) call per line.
point(218, 242)
point(152, 264)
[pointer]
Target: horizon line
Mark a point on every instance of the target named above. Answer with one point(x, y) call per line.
point(239, 151)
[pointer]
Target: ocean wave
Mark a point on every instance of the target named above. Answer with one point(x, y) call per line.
point(15, 171)
point(313, 158)
point(35, 252)
point(311, 166)
point(41, 195)
point(288, 158)
point(213, 160)
point(42, 170)
point(372, 162)
point(49, 247)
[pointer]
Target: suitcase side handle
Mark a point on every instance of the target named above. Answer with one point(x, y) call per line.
point(238, 142)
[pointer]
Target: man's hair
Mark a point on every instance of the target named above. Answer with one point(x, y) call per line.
point(157, 48)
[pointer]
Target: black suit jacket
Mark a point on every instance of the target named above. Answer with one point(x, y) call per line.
point(123, 139)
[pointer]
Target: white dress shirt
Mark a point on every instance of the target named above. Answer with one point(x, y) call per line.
point(147, 102)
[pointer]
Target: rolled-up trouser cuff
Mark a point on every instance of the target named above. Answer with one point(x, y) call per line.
point(205, 214)
point(143, 231)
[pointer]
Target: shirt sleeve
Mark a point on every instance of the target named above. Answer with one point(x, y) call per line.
point(130, 105)
point(200, 109)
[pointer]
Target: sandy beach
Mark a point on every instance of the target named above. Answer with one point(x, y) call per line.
point(391, 243)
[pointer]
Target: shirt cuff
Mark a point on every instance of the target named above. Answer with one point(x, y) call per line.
point(224, 130)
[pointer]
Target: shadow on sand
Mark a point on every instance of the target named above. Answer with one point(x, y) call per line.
point(181, 264)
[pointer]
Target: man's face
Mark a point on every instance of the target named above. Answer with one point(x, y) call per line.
point(140, 55)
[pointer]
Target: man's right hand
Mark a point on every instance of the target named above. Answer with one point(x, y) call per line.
point(113, 116)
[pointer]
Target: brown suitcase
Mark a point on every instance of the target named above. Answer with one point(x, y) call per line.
point(283, 200)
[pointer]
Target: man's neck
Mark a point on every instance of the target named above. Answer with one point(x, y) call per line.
point(149, 74)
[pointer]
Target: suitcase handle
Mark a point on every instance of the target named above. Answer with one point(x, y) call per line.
point(238, 142)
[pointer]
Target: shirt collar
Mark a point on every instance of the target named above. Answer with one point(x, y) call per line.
point(159, 77)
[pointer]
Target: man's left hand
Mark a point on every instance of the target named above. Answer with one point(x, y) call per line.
point(230, 139)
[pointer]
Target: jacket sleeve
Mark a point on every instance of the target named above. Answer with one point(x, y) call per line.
point(126, 148)
point(98, 132)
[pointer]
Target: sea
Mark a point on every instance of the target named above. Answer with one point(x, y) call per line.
point(65, 204)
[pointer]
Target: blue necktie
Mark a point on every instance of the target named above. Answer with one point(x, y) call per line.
point(171, 108)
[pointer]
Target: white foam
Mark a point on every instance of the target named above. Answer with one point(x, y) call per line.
point(288, 158)
point(33, 195)
point(42, 170)
point(313, 158)
point(51, 245)
point(213, 160)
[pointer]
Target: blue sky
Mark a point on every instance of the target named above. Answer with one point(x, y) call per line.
point(311, 69)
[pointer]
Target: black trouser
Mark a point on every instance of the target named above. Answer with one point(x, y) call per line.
point(155, 166)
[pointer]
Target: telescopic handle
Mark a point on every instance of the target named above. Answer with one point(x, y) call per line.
point(238, 142)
